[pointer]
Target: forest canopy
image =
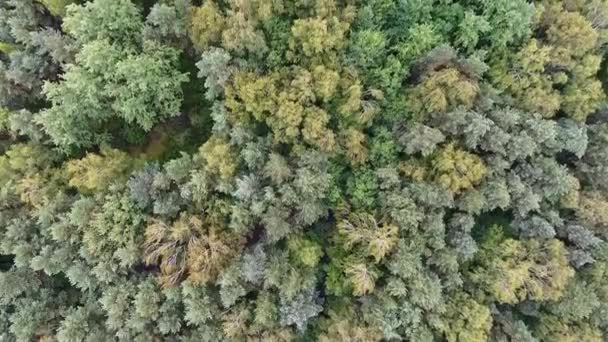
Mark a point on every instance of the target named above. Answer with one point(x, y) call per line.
point(304, 170)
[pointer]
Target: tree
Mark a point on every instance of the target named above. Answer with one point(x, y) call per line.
point(550, 328)
point(167, 23)
point(420, 138)
point(113, 20)
point(300, 309)
point(376, 240)
point(558, 72)
point(214, 68)
point(96, 172)
point(592, 211)
point(27, 52)
point(516, 270)
point(468, 320)
point(442, 90)
point(443, 83)
point(344, 324)
point(187, 249)
point(139, 89)
point(457, 170)
point(206, 25)
point(363, 278)
point(219, 157)
point(338, 170)
point(114, 76)
point(317, 36)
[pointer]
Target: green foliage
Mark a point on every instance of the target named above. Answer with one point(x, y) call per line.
point(373, 170)
point(29, 45)
point(115, 76)
point(361, 188)
point(140, 89)
point(57, 7)
point(305, 251)
point(113, 20)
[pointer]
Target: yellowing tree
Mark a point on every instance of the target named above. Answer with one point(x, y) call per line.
point(559, 70)
point(191, 248)
point(593, 211)
point(363, 278)
point(315, 131)
point(526, 79)
point(551, 328)
point(466, 320)
point(362, 230)
point(442, 90)
point(512, 270)
point(570, 32)
point(316, 36)
point(252, 94)
point(95, 172)
point(206, 25)
point(457, 170)
point(219, 157)
point(353, 141)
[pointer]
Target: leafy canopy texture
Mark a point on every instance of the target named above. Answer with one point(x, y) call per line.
point(303, 170)
point(116, 75)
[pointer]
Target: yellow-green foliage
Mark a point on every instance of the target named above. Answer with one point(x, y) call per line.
point(305, 251)
point(363, 277)
point(443, 90)
point(466, 320)
point(362, 230)
point(315, 131)
point(6, 47)
point(253, 94)
point(528, 83)
point(414, 169)
point(457, 170)
point(558, 72)
point(292, 105)
point(206, 25)
point(31, 169)
point(550, 328)
point(571, 34)
point(518, 270)
point(57, 7)
point(593, 211)
point(219, 157)
point(299, 103)
point(190, 248)
point(316, 36)
point(353, 141)
point(344, 325)
point(96, 172)
point(4, 114)
point(325, 82)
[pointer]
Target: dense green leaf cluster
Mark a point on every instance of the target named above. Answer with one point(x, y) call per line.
point(303, 170)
